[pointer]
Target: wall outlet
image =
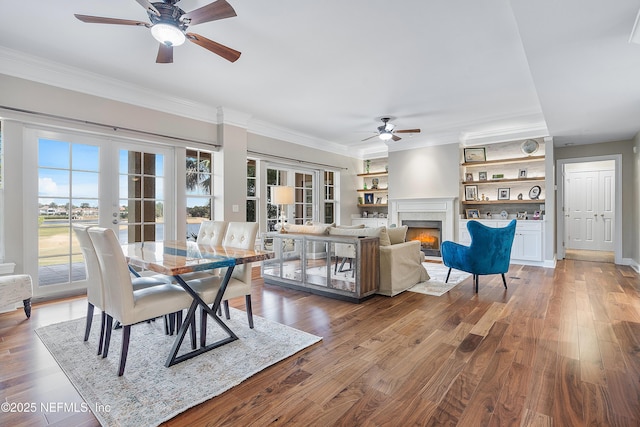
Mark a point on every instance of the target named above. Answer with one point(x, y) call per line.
point(235, 208)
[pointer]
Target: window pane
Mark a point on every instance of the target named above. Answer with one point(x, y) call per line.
point(53, 154)
point(251, 211)
point(53, 183)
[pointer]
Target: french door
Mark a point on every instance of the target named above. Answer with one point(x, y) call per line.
point(90, 180)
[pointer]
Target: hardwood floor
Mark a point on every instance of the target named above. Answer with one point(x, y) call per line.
point(559, 347)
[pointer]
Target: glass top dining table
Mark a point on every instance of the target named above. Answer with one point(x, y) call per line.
point(178, 257)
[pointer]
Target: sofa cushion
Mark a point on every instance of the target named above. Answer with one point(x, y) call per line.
point(306, 229)
point(397, 234)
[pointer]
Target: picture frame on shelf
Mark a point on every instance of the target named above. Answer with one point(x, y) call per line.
point(522, 173)
point(497, 176)
point(521, 215)
point(468, 177)
point(504, 193)
point(470, 192)
point(368, 198)
point(536, 215)
point(476, 154)
point(482, 176)
point(472, 213)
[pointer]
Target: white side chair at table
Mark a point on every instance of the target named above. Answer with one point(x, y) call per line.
point(210, 233)
point(241, 235)
point(16, 288)
point(122, 302)
point(95, 291)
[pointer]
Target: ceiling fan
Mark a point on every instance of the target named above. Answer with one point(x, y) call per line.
point(388, 130)
point(169, 26)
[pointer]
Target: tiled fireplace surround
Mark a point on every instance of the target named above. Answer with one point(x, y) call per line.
point(431, 209)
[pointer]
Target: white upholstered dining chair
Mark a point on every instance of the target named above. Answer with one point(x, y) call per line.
point(240, 235)
point(124, 303)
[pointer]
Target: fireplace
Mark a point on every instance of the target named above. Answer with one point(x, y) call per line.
point(428, 233)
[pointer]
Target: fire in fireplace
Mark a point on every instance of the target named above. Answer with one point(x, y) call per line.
point(428, 233)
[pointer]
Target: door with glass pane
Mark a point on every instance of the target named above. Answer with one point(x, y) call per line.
point(97, 182)
point(68, 193)
point(142, 213)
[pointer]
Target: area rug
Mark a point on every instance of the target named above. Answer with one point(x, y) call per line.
point(436, 285)
point(148, 393)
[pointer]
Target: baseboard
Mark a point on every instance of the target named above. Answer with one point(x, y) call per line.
point(631, 263)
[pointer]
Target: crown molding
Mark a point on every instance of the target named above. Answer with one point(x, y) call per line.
point(269, 130)
point(532, 129)
point(20, 65)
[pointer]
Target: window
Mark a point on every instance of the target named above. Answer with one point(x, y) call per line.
point(252, 191)
point(274, 177)
point(199, 190)
point(329, 197)
point(303, 198)
point(67, 192)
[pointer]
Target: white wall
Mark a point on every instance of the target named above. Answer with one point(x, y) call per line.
point(425, 172)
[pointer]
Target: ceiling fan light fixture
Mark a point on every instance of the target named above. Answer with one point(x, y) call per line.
point(386, 135)
point(168, 34)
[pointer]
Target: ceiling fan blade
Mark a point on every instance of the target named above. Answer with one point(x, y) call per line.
point(212, 12)
point(408, 131)
point(100, 20)
point(149, 7)
point(165, 54)
point(366, 139)
point(227, 53)
point(396, 138)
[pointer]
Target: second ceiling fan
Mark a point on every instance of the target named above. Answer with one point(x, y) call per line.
point(388, 130)
point(169, 26)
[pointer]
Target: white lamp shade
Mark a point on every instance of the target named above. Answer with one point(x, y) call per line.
point(282, 195)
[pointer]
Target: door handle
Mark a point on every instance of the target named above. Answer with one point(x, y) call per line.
point(115, 221)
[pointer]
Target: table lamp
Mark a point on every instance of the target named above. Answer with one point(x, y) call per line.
point(282, 195)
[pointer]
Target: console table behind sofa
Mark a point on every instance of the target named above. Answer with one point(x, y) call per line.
point(297, 265)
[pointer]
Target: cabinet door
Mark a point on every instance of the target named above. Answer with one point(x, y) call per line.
point(527, 245)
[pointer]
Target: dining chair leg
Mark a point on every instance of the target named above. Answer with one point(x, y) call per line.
point(103, 320)
point(178, 320)
point(226, 309)
point(203, 327)
point(448, 274)
point(87, 327)
point(247, 303)
point(193, 333)
point(126, 334)
point(107, 336)
point(475, 278)
point(504, 281)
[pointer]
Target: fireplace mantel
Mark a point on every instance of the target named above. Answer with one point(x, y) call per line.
point(443, 209)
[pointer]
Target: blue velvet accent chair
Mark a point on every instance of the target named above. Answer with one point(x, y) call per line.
point(489, 252)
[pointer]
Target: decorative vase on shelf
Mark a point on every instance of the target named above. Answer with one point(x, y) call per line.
point(368, 165)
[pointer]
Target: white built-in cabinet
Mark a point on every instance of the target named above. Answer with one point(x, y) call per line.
point(527, 243)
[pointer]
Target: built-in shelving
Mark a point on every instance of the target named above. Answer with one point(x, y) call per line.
point(502, 202)
point(505, 161)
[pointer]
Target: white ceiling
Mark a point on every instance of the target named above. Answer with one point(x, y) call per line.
point(321, 72)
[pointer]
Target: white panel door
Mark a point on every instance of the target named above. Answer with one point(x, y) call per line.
point(589, 210)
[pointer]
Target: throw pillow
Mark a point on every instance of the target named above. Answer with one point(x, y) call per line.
point(384, 237)
point(347, 227)
point(397, 234)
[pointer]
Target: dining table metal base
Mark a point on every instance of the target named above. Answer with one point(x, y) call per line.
point(207, 310)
